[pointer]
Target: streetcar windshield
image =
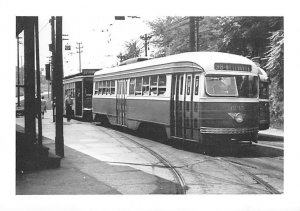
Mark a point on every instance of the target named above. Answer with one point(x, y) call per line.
point(234, 86)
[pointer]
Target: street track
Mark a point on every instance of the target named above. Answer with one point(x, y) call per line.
point(177, 176)
point(241, 167)
point(181, 188)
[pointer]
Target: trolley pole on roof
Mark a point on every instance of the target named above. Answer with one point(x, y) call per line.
point(58, 73)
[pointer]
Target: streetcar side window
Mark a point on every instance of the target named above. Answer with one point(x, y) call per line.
point(162, 80)
point(138, 87)
point(103, 87)
point(153, 85)
point(108, 87)
point(196, 85)
point(119, 87)
point(100, 87)
point(181, 85)
point(96, 88)
point(112, 87)
point(145, 87)
point(131, 86)
point(189, 80)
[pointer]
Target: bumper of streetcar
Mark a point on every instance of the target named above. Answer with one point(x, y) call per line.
point(229, 134)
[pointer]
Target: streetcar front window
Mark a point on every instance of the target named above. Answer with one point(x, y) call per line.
point(232, 86)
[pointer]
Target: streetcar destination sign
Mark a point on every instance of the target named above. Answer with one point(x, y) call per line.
point(231, 66)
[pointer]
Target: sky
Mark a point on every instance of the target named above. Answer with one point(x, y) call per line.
point(102, 38)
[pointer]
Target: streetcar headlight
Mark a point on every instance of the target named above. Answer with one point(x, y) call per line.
point(239, 118)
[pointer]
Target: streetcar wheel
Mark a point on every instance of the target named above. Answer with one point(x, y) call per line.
point(154, 132)
point(104, 120)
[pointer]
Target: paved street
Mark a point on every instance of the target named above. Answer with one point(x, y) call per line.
point(112, 160)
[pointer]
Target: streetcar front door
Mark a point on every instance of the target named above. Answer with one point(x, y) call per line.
point(183, 123)
point(121, 102)
point(78, 98)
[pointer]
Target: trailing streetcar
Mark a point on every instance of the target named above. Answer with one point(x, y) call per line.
point(198, 96)
point(80, 87)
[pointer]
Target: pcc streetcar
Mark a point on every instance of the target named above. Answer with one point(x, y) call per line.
point(196, 96)
point(80, 87)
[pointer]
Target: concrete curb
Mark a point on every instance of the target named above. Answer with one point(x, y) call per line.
point(270, 137)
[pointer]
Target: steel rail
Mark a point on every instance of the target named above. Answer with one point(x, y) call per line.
point(176, 174)
point(267, 186)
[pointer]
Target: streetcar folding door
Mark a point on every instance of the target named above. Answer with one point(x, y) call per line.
point(184, 119)
point(121, 102)
point(78, 98)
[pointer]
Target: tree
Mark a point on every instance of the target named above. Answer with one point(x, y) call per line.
point(169, 40)
point(260, 39)
point(132, 50)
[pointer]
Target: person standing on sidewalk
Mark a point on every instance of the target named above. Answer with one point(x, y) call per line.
point(69, 103)
point(43, 106)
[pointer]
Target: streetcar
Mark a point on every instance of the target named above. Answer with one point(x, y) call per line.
point(80, 87)
point(205, 97)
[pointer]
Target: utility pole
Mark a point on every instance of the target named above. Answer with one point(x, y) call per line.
point(58, 77)
point(18, 43)
point(192, 34)
point(197, 33)
point(79, 52)
point(38, 78)
point(52, 49)
point(146, 38)
point(29, 79)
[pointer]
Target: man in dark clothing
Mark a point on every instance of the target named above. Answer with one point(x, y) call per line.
point(69, 103)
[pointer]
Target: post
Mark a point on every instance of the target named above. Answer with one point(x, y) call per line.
point(146, 43)
point(52, 20)
point(197, 33)
point(146, 38)
point(29, 78)
point(38, 81)
point(192, 34)
point(18, 70)
point(59, 138)
point(79, 52)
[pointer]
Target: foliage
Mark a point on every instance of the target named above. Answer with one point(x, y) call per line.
point(258, 38)
point(169, 40)
point(132, 51)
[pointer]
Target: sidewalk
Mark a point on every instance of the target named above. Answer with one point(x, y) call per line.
point(271, 135)
point(83, 174)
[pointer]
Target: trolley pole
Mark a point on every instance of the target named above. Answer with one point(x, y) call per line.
point(58, 70)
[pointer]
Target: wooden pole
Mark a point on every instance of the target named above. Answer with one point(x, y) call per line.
point(59, 138)
point(29, 80)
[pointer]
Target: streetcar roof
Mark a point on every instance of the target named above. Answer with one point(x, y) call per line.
point(200, 60)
